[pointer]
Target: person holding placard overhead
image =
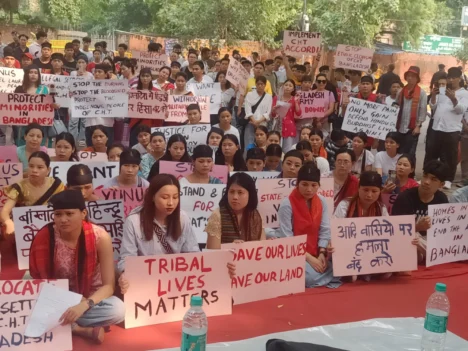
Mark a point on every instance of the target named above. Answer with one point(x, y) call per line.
point(80, 178)
point(156, 150)
point(237, 219)
point(75, 249)
point(202, 165)
point(229, 153)
point(65, 148)
point(128, 177)
point(35, 190)
point(305, 212)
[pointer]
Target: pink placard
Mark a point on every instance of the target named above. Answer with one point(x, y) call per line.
point(301, 43)
point(177, 107)
point(161, 286)
point(327, 190)
point(182, 169)
point(152, 60)
point(371, 245)
point(269, 268)
point(353, 57)
point(22, 109)
point(8, 154)
point(389, 200)
point(237, 75)
point(270, 193)
point(314, 103)
point(131, 197)
point(147, 104)
point(10, 173)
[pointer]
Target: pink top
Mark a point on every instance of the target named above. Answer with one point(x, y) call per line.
point(65, 257)
point(289, 121)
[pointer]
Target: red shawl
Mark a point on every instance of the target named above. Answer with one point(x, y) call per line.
point(40, 257)
point(413, 95)
point(307, 221)
point(349, 189)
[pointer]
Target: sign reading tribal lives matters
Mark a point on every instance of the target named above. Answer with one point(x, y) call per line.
point(147, 104)
point(194, 134)
point(314, 103)
point(212, 90)
point(17, 299)
point(102, 171)
point(199, 202)
point(98, 98)
point(371, 245)
point(376, 120)
point(22, 109)
point(301, 43)
point(161, 286)
point(60, 83)
point(183, 169)
point(10, 78)
point(131, 197)
point(29, 220)
point(177, 107)
point(237, 75)
point(353, 57)
point(269, 268)
point(447, 239)
point(151, 60)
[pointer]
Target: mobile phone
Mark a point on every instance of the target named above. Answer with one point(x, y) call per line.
point(442, 90)
point(391, 176)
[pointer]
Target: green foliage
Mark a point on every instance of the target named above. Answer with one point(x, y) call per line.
point(462, 54)
point(62, 10)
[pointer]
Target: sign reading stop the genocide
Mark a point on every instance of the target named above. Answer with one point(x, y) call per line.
point(301, 43)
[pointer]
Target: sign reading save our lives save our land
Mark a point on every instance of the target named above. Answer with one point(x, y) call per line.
point(353, 57)
point(301, 43)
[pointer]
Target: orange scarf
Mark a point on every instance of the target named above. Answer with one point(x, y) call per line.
point(413, 95)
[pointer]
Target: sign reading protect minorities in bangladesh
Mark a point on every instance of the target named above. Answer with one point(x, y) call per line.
point(177, 107)
point(301, 43)
point(353, 57)
point(10, 78)
point(147, 104)
point(23, 109)
point(151, 60)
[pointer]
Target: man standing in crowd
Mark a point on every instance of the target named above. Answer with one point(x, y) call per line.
point(36, 48)
point(205, 57)
point(440, 73)
point(387, 79)
point(85, 50)
point(280, 73)
point(57, 61)
point(22, 48)
point(8, 59)
point(26, 60)
point(413, 108)
point(122, 49)
point(237, 56)
point(449, 106)
point(69, 59)
point(192, 58)
point(97, 55)
point(76, 48)
point(154, 47)
point(355, 78)
point(340, 78)
point(2, 46)
point(270, 75)
point(15, 42)
point(43, 62)
point(259, 69)
point(177, 48)
point(105, 52)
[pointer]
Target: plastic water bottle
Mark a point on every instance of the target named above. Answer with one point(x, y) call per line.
point(435, 325)
point(194, 327)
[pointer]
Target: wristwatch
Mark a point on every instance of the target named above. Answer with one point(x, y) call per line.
point(90, 303)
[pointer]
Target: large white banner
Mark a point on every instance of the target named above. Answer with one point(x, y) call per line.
point(102, 171)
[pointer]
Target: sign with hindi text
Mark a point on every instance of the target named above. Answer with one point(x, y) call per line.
point(102, 171)
point(23, 109)
point(131, 197)
point(183, 169)
point(353, 57)
point(301, 43)
point(10, 79)
point(152, 60)
point(147, 104)
point(177, 107)
point(60, 83)
point(211, 90)
point(237, 75)
point(195, 134)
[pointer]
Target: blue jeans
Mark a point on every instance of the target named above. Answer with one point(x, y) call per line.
point(109, 311)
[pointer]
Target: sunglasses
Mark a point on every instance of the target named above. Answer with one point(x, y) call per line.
point(321, 81)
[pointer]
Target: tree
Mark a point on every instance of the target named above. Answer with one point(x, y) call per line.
point(62, 10)
point(462, 54)
point(10, 7)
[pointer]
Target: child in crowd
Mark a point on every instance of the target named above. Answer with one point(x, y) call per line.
point(193, 114)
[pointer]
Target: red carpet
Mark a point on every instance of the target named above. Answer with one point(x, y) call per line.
point(396, 297)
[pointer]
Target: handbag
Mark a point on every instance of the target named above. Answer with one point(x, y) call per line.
point(242, 121)
point(58, 126)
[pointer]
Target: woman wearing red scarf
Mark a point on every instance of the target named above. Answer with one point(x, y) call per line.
point(305, 212)
point(346, 184)
point(73, 248)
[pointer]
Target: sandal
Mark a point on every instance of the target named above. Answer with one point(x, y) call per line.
point(98, 335)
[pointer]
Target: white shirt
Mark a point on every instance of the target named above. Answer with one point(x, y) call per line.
point(226, 97)
point(87, 75)
point(385, 162)
point(389, 101)
point(89, 55)
point(205, 79)
point(448, 118)
point(357, 166)
point(263, 110)
point(323, 166)
point(35, 49)
point(232, 130)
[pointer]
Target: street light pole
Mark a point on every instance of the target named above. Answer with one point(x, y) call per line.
point(305, 18)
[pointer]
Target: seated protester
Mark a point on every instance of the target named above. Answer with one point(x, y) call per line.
point(99, 138)
point(128, 177)
point(35, 190)
point(214, 137)
point(336, 141)
point(113, 152)
point(386, 161)
point(225, 118)
point(162, 83)
point(255, 160)
point(143, 136)
point(33, 136)
point(305, 212)
point(403, 179)
point(273, 156)
point(364, 158)
point(317, 143)
point(75, 249)
point(199, 76)
point(292, 162)
point(156, 150)
point(460, 195)
point(415, 201)
point(65, 148)
point(346, 184)
point(229, 153)
point(237, 219)
point(261, 136)
point(80, 178)
point(273, 137)
point(193, 114)
point(176, 151)
point(306, 150)
point(304, 134)
point(202, 165)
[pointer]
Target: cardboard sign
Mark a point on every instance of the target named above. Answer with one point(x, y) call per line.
point(388, 200)
point(30, 220)
point(102, 171)
point(177, 107)
point(8, 154)
point(99, 98)
point(161, 286)
point(301, 43)
point(10, 173)
point(269, 268)
point(194, 134)
point(131, 197)
point(446, 240)
point(151, 60)
point(237, 75)
point(371, 245)
point(260, 175)
point(376, 120)
point(212, 90)
point(17, 299)
point(314, 103)
point(353, 57)
point(10, 79)
point(147, 104)
point(199, 202)
point(23, 109)
point(62, 96)
point(183, 169)
point(327, 190)
point(92, 156)
point(270, 194)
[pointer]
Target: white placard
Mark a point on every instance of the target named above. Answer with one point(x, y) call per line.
point(353, 57)
point(260, 175)
point(10, 78)
point(194, 134)
point(270, 194)
point(151, 60)
point(102, 171)
point(237, 75)
point(62, 96)
point(212, 90)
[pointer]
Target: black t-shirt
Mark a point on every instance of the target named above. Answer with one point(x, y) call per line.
point(187, 73)
point(409, 203)
point(44, 67)
point(69, 66)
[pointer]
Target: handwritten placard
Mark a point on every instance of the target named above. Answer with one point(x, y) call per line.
point(260, 175)
point(10, 79)
point(269, 268)
point(23, 109)
point(301, 43)
point(270, 194)
point(99, 98)
point(388, 200)
point(376, 120)
point(327, 190)
point(10, 173)
point(353, 57)
point(212, 90)
point(314, 103)
point(161, 286)
point(177, 107)
point(60, 83)
point(199, 202)
point(17, 299)
point(102, 171)
point(151, 60)
point(446, 240)
point(29, 220)
point(237, 75)
point(183, 169)
point(8, 154)
point(92, 156)
point(194, 134)
point(131, 197)
point(371, 245)
point(147, 104)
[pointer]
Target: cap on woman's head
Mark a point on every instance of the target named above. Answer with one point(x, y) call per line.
point(79, 174)
point(202, 151)
point(130, 157)
point(68, 200)
point(309, 173)
point(370, 178)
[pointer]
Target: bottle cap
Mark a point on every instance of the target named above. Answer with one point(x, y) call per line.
point(198, 301)
point(441, 287)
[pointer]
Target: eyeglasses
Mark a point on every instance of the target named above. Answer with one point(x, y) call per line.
point(343, 162)
point(321, 81)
